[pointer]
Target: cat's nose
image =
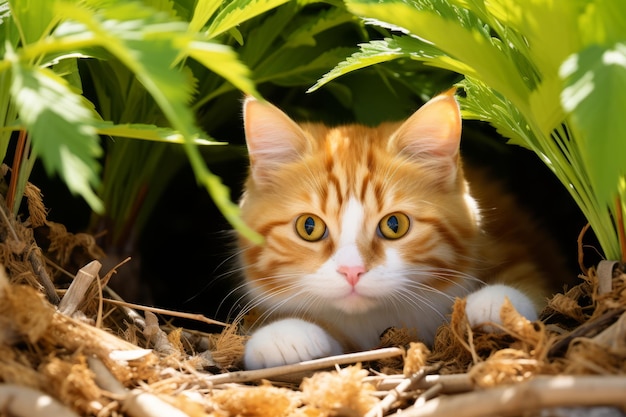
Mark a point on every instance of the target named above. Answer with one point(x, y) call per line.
point(352, 273)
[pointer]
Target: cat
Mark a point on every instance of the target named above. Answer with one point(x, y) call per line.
point(367, 228)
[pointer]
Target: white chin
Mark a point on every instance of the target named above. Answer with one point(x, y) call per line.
point(353, 304)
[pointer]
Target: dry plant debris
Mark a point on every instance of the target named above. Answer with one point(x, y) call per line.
point(95, 355)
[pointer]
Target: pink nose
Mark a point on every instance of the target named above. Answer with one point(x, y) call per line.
point(352, 273)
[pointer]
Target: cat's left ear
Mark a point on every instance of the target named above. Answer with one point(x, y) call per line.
point(432, 134)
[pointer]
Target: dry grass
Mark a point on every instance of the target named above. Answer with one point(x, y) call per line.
point(95, 357)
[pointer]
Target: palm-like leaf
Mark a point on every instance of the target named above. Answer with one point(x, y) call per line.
point(550, 75)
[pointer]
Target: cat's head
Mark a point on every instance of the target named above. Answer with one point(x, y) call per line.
point(355, 217)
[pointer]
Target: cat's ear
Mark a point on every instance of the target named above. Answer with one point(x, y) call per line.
point(432, 134)
point(272, 137)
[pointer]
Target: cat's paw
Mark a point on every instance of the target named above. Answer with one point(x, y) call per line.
point(288, 341)
point(483, 306)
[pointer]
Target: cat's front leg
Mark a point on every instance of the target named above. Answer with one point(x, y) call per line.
point(288, 341)
point(483, 306)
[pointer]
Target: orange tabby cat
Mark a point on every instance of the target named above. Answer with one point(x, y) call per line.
point(367, 228)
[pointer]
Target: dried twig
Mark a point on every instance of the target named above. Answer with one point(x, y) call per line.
point(78, 288)
point(429, 394)
point(34, 257)
point(35, 260)
point(588, 329)
point(535, 394)
point(404, 386)
point(451, 384)
point(21, 401)
point(306, 366)
point(136, 402)
point(190, 316)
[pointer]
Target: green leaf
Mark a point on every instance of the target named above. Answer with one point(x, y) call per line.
point(262, 36)
point(224, 61)
point(305, 34)
point(34, 18)
point(147, 132)
point(9, 34)
point(458, 34)
point(395, 47)
point(295, 66)
point(60, 127)
point(203, 11)
point(595, 82)
point(237, 12)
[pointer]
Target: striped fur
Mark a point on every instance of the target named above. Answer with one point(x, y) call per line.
point(351, 177)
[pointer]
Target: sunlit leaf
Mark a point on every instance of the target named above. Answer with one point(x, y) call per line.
point(595, 82)
point(147, 132)
point(237, 12)
point(389, 49)
point(202, 13)
point(34, 18)
point(60, 127)
point(223, 61)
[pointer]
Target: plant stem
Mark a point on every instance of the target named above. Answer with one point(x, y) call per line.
point(17, 161)
point(620, 228)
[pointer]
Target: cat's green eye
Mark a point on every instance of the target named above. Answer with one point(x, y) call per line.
point(310, 227)
point(394, 225)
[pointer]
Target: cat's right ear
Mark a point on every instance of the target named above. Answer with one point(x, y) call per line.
point(432, 135)
point(273, 139)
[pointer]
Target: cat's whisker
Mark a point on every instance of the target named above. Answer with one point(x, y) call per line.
point(275, 298)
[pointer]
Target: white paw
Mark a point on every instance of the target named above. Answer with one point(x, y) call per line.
point(288, 341)
point(483, 306)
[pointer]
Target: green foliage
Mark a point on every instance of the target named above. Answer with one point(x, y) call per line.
point(549, 75)
point(147, 45)
point(115, 96)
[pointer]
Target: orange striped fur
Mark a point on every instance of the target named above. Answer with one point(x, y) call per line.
point(451, 248)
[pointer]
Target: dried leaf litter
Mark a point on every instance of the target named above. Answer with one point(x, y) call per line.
point(581, 332)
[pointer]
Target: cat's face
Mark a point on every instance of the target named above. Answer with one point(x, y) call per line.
point(355, 218)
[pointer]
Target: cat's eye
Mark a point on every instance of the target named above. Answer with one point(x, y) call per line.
point(310, 227)
point(394, 225)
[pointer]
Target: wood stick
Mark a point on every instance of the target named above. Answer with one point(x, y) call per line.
point(136, 403)
point(306, 366)
point(156, 310)
point(21, 401)
point(35, 259)
point(451, 384)
point(525, 397)
point(404, 386)
point(78, 288)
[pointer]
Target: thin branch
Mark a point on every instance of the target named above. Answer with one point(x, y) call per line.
point(190, 316)
point(306, 366)
point(136, 402)
point(525, 397)
point(21, 401)
point(452, 384)
point(75, 294)
point(587, 329)
point(406, 385)
point(34, 258)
